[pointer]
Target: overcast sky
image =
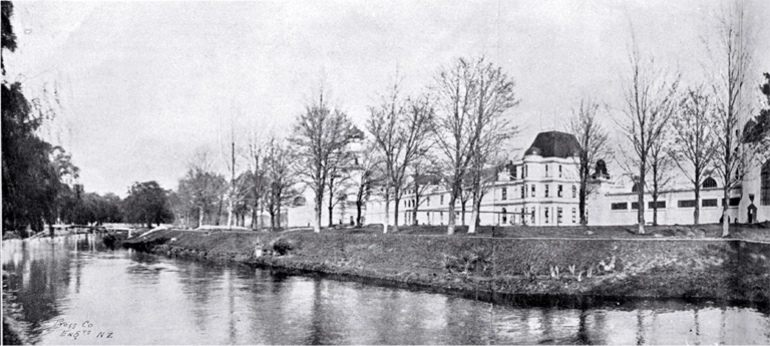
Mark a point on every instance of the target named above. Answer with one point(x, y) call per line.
point(142, 85)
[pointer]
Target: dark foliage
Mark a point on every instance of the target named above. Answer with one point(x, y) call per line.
point(147, 203)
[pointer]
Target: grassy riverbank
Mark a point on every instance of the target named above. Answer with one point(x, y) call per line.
point(601, 262)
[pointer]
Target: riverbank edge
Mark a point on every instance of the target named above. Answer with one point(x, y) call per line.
point(666, 284)
point(13, 330)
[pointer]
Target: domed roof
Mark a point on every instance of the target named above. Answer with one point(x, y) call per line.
point(533, 151)
point(554, 144)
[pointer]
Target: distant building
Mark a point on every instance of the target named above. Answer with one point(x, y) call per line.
point(539, 189)
point(542, 189)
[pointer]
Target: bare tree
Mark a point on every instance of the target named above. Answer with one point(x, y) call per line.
point(693, 145)
point(201, 187)
point(455, 90)
point(592, 137)
point(659, 171)
point(400, 130)
point(423, 177)
point(279, 179)
point(732, 55)
point(368, 176)
point(340, 180)
point(649, 105)
point(320, 133)
point(490, 127)
point(258, 181)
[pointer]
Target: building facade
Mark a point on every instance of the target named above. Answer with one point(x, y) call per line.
point(542, 189)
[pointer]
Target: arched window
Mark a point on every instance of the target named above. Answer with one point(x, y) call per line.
point(505, 216)
point(764, 192)
point(709, 182)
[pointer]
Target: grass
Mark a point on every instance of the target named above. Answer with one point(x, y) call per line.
point(515, 260)
point(760, 232)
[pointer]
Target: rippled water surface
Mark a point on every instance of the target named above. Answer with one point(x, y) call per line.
point(72, 291)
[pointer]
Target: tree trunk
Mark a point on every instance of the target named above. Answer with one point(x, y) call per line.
point(414, 211)
point(696, 213)
point(725, 217)
point(655, 209)
point(200, 216)
point(318, 206)
point(640, 199)
point(582, 203)
point(358, 212)
point(386, 220)
point(450, 230)
point(331, 208)
point(396, 201)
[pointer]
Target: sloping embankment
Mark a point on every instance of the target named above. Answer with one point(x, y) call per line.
point(715, 269)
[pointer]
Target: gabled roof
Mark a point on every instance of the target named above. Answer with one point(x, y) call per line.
point(554, 144)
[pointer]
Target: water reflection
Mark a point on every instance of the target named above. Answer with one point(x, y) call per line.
point(144, 299)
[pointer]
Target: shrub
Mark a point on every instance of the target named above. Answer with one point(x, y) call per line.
point(282, 246)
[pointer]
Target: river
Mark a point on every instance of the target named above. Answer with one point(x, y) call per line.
point(73, 291)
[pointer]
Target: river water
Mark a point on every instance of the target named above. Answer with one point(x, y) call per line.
point(73, 291)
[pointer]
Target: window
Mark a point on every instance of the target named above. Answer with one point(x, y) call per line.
point(709, 202)
point(523, 190)
point(709, 182)
point(546, 170)
point(689, 203)
point(735, 201)
point(619, 206)
point(658, 205)
point(428, 201)
point(560, 191)
point(513, 173)
point(635, 188)
point(442, 200)
point(546, 190)
point(560, 175)
point(505, 193)
point(559, 216)
point(545, 218)
point(635, 205)
point(533, 190)
point(574, 215)
point(533, 215)
point(764, 184)
point(524, 172)
point(574, 191)
point(505, 216)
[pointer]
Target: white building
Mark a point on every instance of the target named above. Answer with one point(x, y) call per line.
point(542, 189)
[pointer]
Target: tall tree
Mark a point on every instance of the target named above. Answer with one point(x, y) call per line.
point(147, 203)
point(659, 172)
point(201, 188)
point(368, 176)
point(399, 127)
point(732, 54)
point(694, 144)
point(455, 90)
point(592, 137)
point(649, 105)
point(423, 177)
point(490, 127)
point(33, 169)
point(320, 134)
point(279, 178)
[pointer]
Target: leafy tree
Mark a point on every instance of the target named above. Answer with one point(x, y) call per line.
point(148, 203)
point(32, 168)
